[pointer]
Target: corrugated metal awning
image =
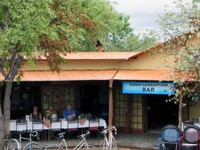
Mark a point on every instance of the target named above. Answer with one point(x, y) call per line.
point(67, 75)
point(84, 75)
point(143, 75)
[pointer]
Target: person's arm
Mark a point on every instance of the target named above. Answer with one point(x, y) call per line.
point(64, 114)
point(30, 116)
point(73, 115)
point(40, 116)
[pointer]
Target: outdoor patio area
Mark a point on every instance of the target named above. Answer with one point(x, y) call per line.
point(146, 141)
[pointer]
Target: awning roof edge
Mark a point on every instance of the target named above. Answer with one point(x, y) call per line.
point(89, 75)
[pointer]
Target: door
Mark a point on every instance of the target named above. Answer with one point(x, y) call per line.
point(128, 112)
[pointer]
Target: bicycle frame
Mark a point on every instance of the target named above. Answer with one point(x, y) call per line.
point(78, 146)
point(81, 144)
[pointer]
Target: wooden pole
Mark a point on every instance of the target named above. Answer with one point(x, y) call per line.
point(180, 114)
point(110, 122)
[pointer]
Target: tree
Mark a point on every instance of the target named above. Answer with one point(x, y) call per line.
point(133, 42)
point(21, 24)
point(181, 27)
point(89, 21)
point(48, 27)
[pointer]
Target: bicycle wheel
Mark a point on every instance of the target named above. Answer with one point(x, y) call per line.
point(89, 147)
point(114, 144)
point(54, 147)
point(104, 145)
point(32, 146)
point(12, 144)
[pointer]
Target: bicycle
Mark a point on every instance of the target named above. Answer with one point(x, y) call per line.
point(82, 145)
point(109, 143)
point(14, 144)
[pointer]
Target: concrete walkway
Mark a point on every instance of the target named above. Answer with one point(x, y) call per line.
point(146, 141)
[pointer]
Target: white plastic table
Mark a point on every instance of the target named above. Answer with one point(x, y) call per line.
point(56, 125)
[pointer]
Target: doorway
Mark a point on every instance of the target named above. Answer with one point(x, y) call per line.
point(89, 98)
point(160, 112)
point(129, 113)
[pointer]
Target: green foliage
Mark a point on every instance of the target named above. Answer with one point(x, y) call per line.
point(21, 24)
point(185, 18)
point(133, 42)
point(83, 22)
point(181, 27)
point(55, 26)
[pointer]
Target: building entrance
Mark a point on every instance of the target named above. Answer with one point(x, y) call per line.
point(160, 112)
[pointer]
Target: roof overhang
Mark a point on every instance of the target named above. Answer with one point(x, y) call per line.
point(93, 56)
point(63, 75)
point(86, 75)
point(142, 75)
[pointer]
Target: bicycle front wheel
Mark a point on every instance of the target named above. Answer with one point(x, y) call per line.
point(32, 146)
point(54, 147)
point(104, 145)
point(12, 144)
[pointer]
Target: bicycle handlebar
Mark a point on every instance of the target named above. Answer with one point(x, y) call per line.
point(112, 128)
point(32, 133)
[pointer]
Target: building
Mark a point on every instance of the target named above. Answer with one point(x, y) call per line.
point(93, 81)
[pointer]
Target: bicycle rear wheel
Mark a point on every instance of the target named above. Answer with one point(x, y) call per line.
point(54, 147)
point(32, 146)
point(12, 144)
point(114, 144)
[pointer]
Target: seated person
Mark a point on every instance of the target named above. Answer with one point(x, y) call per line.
point(69, 113)
point(49, 116)
point(50, 112)
point(35, 115)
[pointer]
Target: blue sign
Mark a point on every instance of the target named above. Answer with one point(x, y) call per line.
point(165, 88)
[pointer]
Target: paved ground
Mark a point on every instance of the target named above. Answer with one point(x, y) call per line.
point(146, 141)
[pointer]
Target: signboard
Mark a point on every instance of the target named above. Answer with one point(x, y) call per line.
point(165, 88)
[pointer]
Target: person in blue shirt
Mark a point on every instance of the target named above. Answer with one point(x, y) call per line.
point(69, 113)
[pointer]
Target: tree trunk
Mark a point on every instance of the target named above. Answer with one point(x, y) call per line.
point(7, 107)
point(180, 113)
point(2, 131)
point(5, 113)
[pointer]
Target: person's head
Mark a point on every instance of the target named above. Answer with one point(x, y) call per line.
point(69, 106)
point(35, 108)
point(51, 107)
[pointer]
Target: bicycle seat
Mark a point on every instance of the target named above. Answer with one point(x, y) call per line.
point(61, 134)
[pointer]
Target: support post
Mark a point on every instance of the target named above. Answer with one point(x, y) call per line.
point(180, 113)
point(110, 122)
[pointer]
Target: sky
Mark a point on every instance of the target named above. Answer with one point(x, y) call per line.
point(143, 13)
